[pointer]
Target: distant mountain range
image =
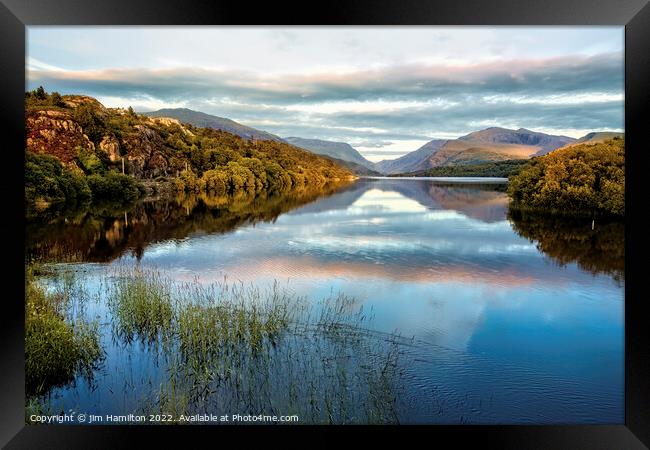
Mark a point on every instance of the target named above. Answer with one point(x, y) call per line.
point(488, 145)
point(203, 120)
point(411, 161)
point(338, 150)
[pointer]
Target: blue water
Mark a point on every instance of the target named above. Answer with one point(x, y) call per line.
point(503, 333)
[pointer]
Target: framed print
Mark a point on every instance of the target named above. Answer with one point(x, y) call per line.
point(258, 221)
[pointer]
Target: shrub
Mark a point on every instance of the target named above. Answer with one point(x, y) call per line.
point(114, 186)
point(92, 125)
point(586, 178)
point(46, 180)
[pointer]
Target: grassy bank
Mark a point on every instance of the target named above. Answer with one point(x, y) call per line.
point(233, 347)
point(56, 348)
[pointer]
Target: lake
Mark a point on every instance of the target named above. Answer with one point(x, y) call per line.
point(508, 317)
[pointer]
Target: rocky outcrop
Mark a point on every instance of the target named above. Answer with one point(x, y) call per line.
point(168, 121)
point(73, 101)
point(111, 147)
point(144, 153)
point(54, 133)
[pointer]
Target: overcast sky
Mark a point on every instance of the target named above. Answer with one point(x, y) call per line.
point(385, 90)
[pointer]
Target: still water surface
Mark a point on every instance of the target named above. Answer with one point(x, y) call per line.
point(517, 319)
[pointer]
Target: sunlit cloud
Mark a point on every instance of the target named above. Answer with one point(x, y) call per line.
point(399, 87)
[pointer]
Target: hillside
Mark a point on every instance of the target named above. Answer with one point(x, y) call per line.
point(522, 136)
point(413, 161)
point(598, 136)
point(203, 120)
point(355, 168)
point(76, 149)
point(578, 179)
point(338, 150)
point(484, 146)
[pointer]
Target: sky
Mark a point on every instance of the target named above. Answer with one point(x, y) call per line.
point(384, 90)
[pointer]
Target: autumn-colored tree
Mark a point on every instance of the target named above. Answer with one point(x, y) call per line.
point(579, 179)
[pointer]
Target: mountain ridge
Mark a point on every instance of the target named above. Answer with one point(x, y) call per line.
point(491, 144)
point(334, 149)
point(205, 120)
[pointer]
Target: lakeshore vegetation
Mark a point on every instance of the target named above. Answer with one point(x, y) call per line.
point(77, 150)
point(587, 179)
point(223, 346)
point(501, 169)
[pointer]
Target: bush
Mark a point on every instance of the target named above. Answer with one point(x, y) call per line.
point(581, 179)
point(89, 161)
point(114, 186)
point(93, 126)
point(46, 180)
point(215, 181)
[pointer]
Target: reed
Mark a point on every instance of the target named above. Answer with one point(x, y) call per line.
point(232, 347)
point(56, 350)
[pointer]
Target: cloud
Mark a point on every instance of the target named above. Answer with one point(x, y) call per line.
point(372, 144)
point(375, 106)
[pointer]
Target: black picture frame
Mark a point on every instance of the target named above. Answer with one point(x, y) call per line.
point(15, 15)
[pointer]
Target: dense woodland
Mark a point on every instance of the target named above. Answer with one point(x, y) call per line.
point(501, 169)
point(579, 179)
point(77, 149)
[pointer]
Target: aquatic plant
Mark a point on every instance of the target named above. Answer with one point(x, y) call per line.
point(55, 350)
point(232, 347)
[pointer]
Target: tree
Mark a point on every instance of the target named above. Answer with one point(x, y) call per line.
point(585, 178)
point(40, 93)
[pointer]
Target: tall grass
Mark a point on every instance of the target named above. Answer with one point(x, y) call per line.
point(56, 349)
point(232, 347)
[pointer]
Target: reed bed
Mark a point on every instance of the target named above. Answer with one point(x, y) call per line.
point(232, 347)
point(57, 347)
point(228, 348)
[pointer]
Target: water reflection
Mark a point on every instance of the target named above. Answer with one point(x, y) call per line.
point(381, 206)
point(501, 325)
point(101, 234)
point(566, 240)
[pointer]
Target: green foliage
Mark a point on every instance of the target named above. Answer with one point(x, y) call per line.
point(501, 169)
point(55, 350)
point(40, 98)
point(216, 181)
point(39, 93)
point(114, 186)
point(48, 182)
point(92, 124)
point(203, 159)
point(581, 179)
point(89, 161)
point(56, 99)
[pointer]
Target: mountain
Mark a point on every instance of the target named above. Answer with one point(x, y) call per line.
point(489, 145)
point(353, 167)
point(203, 120)
point(522, 136)
point(413, 161)
point(338, 150)
point(598, 136)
